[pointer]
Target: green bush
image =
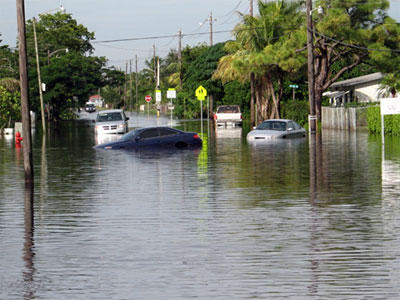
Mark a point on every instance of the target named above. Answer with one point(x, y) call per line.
point(296, 110)
point(10, 109)
point(392, 122)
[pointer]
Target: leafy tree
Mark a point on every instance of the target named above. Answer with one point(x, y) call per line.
point(257, 52)
point(70, 76)
point(350, 31)
point(10, 109)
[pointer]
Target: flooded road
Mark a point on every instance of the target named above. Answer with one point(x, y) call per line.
point(232, 220)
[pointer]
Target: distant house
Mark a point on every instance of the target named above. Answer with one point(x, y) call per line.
point(96, 100)
point(361, 89)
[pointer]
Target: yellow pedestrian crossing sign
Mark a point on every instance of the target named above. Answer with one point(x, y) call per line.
point(201, 93)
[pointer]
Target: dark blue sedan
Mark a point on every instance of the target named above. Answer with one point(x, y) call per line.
point(154, 137)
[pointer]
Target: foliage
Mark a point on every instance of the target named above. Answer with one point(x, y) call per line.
point(70, 76)
point(10, 110)
point(296, 110)
point(392, 122)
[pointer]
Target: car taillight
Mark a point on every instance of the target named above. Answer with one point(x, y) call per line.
point(215, 117)
point(196, 136)
point(240, 116)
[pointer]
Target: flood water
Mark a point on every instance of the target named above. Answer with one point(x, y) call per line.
point(297, 219)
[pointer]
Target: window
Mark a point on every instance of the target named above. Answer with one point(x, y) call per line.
point(166, 131)
point(150, 133)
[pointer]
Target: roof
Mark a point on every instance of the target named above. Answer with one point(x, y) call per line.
point(95, 97)
point(358, 80)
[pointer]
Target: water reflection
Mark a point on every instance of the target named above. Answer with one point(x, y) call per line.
point(289, 220)
point(29, 272)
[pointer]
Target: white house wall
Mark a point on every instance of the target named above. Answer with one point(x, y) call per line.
point(368, 93)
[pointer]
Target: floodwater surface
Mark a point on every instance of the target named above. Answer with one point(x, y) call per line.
point(296, 219)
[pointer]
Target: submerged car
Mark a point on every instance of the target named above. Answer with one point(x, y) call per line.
point(276, 129)
point(154, 137)
point(111, 121)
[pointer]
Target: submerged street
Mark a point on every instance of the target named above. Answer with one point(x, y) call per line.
point(229, 221)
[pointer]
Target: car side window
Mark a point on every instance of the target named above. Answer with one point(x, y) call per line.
point(290, 126)
point(296, 126)
point(166, 131)
point(150, 133)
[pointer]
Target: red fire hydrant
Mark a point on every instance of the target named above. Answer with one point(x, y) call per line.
point(18, 138)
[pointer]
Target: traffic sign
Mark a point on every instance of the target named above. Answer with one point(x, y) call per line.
point(294, 86)
point(171, 93)
point(148, 98)
point(158, 96)
point(201, 93)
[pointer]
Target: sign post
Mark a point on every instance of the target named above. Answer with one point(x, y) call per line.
point(294, 87)
point(171, 94)
point(148, 99)
point(201, 94)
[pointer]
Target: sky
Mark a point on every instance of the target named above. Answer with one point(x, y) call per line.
point(141, 20)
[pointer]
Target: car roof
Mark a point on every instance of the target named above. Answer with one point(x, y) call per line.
point(110, 111)
point(280, 120)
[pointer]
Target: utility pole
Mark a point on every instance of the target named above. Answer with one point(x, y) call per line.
point(211, 28)
point(130, 85)
point(180, 58)
point(154, 61)
point(136, 81)
point(252, 86)
point(310, 64)
point(23, 70)
point(39, 77)
point(125, 87)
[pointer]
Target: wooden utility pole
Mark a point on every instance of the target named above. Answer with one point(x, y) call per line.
point(252, 86)
point(136, 82)
point(211, 28)
point(180, 58)
point(310, 64)
point(23, 70)
point(39, 76)
point(130, 84)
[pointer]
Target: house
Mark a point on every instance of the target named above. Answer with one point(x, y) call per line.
point(96, 100)
point(361, 89)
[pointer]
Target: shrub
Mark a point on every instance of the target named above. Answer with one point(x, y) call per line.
point(392, 122)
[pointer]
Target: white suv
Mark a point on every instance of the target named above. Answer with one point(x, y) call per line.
point(111, 121)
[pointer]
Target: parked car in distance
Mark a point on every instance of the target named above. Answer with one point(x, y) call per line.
point(90, 107)
point(111, 121)
point(228, 115)
point(276, 129)
point(154, 137)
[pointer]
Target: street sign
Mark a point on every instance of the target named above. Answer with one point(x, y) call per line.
point(171, 93)
point(390, 106)
point(294, 86)
point(201, 93)
point(158, 96)
point(148, 98)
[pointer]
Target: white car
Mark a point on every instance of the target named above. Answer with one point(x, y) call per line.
point(111, 121)
point(276, 129)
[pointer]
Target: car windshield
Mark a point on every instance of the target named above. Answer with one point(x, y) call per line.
point(130, 135)
point(272, 125)
point(228, 109)
point(109, 117)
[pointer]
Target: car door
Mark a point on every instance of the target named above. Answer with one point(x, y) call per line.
point(168, 137)
point(291, 130)
point(148, 137)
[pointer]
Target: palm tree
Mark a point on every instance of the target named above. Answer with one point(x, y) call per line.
point(256, 53)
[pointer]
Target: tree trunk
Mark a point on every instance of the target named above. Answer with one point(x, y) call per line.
point(252, 100)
